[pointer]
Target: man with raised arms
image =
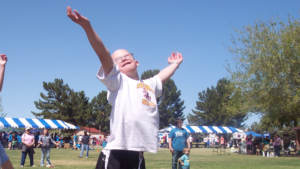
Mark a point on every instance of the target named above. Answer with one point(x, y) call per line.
point(134, 119)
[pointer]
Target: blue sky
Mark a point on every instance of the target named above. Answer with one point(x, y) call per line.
point(43, 44)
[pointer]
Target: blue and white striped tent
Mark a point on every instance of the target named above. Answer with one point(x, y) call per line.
point(205, 129)
point(35, 123)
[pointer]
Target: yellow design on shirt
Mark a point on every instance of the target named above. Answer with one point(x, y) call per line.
point(142, 85)
point(148, 103)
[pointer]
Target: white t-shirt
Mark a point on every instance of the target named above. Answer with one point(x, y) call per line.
point(134, 118)
point(191, 139)
point(216, 139)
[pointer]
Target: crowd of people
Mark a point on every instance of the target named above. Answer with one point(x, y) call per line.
point(10, 140)
point(27, 141)
point(261, 145)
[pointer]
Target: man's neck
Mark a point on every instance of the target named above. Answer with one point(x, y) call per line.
point(179, 127)
point(133, 75)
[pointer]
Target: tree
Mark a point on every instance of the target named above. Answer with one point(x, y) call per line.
point(169, 104)
point(80, 109)
point(63, 103)
point(267, 71)
point(265, 126)
point(1, 108)
point(256, 127)
point(214, 107)
point(101, 110)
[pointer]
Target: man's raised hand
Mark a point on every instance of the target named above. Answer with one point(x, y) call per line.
point(175, 58)
point(77, 18)
point(3, 59)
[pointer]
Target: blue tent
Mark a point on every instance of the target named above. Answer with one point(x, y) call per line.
point(35, 123)
point(253, 134)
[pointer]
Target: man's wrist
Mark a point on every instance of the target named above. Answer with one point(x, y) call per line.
point(174, 62)
point(86, 27)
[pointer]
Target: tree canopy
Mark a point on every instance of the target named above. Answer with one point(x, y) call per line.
point(63, 103)
point(214, 107)
point(267, 69)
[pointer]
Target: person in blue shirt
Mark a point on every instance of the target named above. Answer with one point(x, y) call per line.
point(4, 138)
point(177, 139)
point(207, 143)
point(19, 138)
point(185, 159)
point(9, 140)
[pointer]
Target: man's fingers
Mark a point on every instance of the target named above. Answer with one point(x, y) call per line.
point(70, 14)
point(173, 55)
point(180, 55)
point(3, 57)
point(69, 11)
point(77, 14)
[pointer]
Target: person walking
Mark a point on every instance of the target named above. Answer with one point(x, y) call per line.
point(45, 140)
point(27, 147)
point(286, 142)
point(177, 138)
point(85, 145)
point(216, 140)
point(36, 138)
point(191, 141)
point(10, 138)
point(207, 143)
point(249, 144)
point(276, 145)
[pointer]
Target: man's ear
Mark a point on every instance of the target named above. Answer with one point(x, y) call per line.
point(137, 63)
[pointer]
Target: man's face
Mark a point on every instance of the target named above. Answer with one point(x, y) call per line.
point(45, 131)
point(125, 61)
point(180, 124)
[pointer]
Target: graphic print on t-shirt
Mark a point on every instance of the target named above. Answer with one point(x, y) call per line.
point(178, 134)
point(146, 88)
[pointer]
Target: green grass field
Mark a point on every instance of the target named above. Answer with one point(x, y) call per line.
point(199, 158)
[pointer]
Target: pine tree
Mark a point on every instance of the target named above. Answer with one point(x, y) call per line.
point(63, 103)
point(212, 107)
point(101, 110)
point(169, 104)
point(1, 108)
point(81, 111)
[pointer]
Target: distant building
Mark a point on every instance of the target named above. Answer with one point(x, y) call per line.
point(91, 130)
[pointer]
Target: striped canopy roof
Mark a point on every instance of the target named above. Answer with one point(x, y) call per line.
point(35, 123)
point(205, 129)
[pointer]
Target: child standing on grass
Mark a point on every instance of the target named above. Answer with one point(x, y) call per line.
point(134, 118)
point(14, 144)
point(185, 159)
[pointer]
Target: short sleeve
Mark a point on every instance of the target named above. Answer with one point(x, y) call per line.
point(182, 158)
point(187, 134)
point(3, 156)
point(156, 85)
point(112, 80)
point(171, 135)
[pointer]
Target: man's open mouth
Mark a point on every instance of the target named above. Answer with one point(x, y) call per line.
point(126, 63)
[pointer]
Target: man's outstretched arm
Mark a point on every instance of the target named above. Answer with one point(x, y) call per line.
point(174, 61)
point(95, 40)
point(3, 60)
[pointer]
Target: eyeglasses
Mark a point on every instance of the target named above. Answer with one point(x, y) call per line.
point(127, 56)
